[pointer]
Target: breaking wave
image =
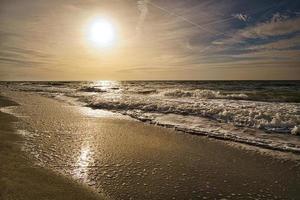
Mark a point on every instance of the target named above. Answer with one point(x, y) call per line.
point(91, 89)
point(206, 94)
point(261, 115)
point(246, 112)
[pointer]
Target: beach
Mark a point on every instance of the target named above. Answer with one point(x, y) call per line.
point(122, 158)
point(149, 100)
point(21, 178)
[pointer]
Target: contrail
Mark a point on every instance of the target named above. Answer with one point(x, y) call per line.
point(185, 19)
point(203, 27)
point(143, 8)
point(193, 23)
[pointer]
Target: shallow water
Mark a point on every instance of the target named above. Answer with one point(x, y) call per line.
point(260, 113)
point(126, 159)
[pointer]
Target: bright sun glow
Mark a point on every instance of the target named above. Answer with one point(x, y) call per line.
point(102, 33)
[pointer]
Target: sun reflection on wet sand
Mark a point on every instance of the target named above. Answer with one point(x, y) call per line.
point(126, 159)
point(84, 162)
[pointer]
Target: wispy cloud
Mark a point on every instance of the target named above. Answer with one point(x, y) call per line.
point(143, 8)
point(153, 36)
point(278, 44)
point(277, 26)
point(240, 16)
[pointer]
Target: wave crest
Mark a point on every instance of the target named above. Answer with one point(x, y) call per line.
point(204, 94)
point(91, 89)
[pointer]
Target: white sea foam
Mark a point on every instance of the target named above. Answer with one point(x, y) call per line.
point(262, 115)
point(205, 94)
point(188, 107)
point(224, 131)
point(11, 111)
point(296, 130)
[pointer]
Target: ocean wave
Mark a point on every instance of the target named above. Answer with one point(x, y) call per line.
point(204, 94)
point(229, 107)
point(279, 117)
point(201, 126)
point(145, 92)
point(91, 89)
point(296, 130)
point(186, 108)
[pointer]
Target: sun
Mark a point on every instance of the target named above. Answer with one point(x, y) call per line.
point(102, 33)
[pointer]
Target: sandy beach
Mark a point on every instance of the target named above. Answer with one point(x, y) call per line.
point(21, 178)
point(149, 99)
point(122, 158)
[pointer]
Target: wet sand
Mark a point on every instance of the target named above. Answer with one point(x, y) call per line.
point(21, 180)
point(127, 159)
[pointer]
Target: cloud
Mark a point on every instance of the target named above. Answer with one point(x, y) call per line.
point(143, 8)
point(279, 44)
point(174, 35)
point(278, 17)
point(273, 56)
point(278, 25)
point(242, 17)
point(23, 57)
point(21, 63)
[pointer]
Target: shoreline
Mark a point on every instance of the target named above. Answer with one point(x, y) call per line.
point(229, 138)
point(127, 158)
point(22, 179)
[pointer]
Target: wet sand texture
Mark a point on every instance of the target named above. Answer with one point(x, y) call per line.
point(129, 159)
point(21, 180)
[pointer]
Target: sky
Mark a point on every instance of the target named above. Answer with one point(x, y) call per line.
point(154, 40)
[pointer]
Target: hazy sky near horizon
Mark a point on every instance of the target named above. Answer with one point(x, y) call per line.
point(155, 39)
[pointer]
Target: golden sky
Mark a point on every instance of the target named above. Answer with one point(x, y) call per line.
point(154, 40)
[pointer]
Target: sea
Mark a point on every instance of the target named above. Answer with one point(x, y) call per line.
point(259, 113)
